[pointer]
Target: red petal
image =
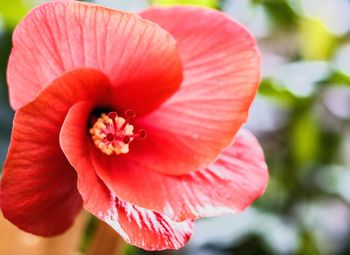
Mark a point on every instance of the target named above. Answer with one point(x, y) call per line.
point(144, 228)
point(138, 56)
point(232, 183)
point(221, 76)
point(38, 188)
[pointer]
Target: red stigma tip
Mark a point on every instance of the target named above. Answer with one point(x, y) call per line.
point(110, 137)
point(142, 133)
point(130, 114)
point(126, 139)
point(112, 115)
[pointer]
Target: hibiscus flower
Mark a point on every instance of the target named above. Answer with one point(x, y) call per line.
point(136, 118)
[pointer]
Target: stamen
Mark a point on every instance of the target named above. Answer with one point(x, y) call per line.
point(112, 134)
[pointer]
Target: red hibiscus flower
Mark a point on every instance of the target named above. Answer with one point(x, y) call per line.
point(134, 117)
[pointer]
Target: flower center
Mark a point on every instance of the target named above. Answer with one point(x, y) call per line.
point(113, 134)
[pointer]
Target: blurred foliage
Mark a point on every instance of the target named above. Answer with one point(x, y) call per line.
point(307, 245)
point(304, 129)
point(280, 13)
point(206, 3)
point(311, 31)
point(90, 228)
point(271, 88)
point(305, 136)
point(337, 77)
point(13, 11)
point(6, 113)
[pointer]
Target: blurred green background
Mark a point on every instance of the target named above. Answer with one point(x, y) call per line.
point(301, 116)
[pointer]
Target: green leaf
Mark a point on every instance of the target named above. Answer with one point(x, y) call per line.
point(206, 3)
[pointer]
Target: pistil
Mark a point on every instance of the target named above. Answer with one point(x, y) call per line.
point(112, 134)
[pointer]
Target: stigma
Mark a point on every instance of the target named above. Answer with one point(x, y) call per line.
point(112, 134)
